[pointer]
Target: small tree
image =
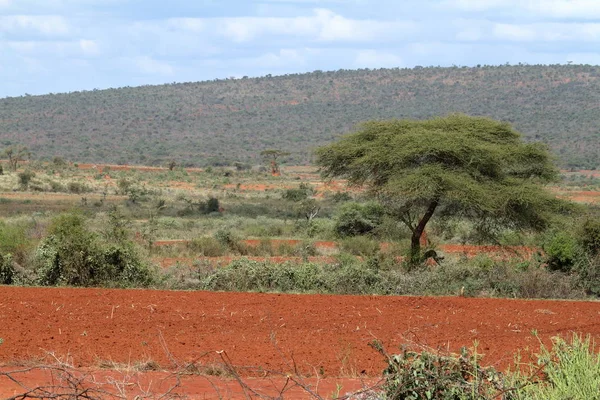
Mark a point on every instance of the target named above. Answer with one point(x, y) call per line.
point(273, 156)
point(16, 154)
point(470, 167)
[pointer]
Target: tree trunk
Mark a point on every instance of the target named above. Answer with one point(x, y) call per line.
point(415, 240)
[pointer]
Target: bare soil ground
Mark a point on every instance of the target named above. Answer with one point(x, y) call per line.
point(316, 332)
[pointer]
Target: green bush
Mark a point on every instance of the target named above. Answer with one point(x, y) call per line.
point(73, 255)
point(567, 371)
point(77, 187)
point(358, 219)
point(562, 251)
point(427, 375)
point(298, 194)
point(571, 370)
point(7, 271)
point(590, 236)
point(25, 177)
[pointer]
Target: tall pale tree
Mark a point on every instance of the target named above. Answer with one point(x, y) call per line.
point(469, 167)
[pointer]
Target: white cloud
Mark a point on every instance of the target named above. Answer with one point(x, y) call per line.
point(5, 3)
point(377, 59)
point(548, 32)
point(89, 47)
point(557, 9)
point(323, 25)
point(151, 66)
point(47, 25)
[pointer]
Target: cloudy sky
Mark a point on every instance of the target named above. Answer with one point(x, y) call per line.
point(68, 45)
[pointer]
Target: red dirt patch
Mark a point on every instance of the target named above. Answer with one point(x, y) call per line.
point(318, 331)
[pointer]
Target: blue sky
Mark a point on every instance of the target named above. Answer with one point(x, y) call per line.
point(68, 45)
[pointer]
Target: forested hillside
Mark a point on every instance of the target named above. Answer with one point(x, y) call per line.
point(224, 121)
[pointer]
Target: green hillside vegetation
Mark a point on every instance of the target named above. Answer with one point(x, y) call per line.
point(233, 120)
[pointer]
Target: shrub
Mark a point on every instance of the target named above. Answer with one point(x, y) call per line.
point(77, 187)
point(7, 270)
point(212, 205)
point(298, 194)
point(228, 239)
point(25, 177)
point(590, 236)
point(571, 371)
point(561, 250)
point(73, 255)
point(358, 219)
point(427, 375)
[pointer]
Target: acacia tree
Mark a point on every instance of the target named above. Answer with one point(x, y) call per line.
point(469, 167)
point(16, 154)
point(272, 156)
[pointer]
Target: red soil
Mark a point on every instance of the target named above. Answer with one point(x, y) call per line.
point(318, 332)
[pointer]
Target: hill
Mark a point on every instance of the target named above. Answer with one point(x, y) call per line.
point(230, 120)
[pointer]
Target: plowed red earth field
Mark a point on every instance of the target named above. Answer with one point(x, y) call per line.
point(321, 334)
point(328, 333)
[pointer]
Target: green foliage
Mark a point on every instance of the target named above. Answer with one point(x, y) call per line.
point(479, 277)
point(459, 166)
point(73, 255)
point(425, 375)
point(571, 370)
point(590, 236)
point(299, 112)
point(25, 177)
point(212, 205)
point(358, 219)
point(298, 194)
point(77, 187)
point(360, 246)
point(562, 250)
point(7, 270)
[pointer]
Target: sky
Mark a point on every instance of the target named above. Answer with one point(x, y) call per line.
point(53, 46)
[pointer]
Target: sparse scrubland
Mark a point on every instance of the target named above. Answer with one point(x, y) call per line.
point(243, 229)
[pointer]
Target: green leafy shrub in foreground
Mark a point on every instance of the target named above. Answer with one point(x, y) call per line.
point(73, 255)
point(567, 371)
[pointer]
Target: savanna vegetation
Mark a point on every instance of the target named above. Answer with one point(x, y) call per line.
point(471, 181)
point(384, 215)
point(227, 121)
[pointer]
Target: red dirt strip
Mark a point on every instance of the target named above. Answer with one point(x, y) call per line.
point(319, 332)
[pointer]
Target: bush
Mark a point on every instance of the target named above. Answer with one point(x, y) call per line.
point(25, 177)
point(77, 187)
point(73, 255)
point(562, 251)
point(358, 219)
point(298, 194)
point(571, 371)
point(426, 375)
point(590, 236)
point(7, 270)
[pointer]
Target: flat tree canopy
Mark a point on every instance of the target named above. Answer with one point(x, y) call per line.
point(469, 167)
